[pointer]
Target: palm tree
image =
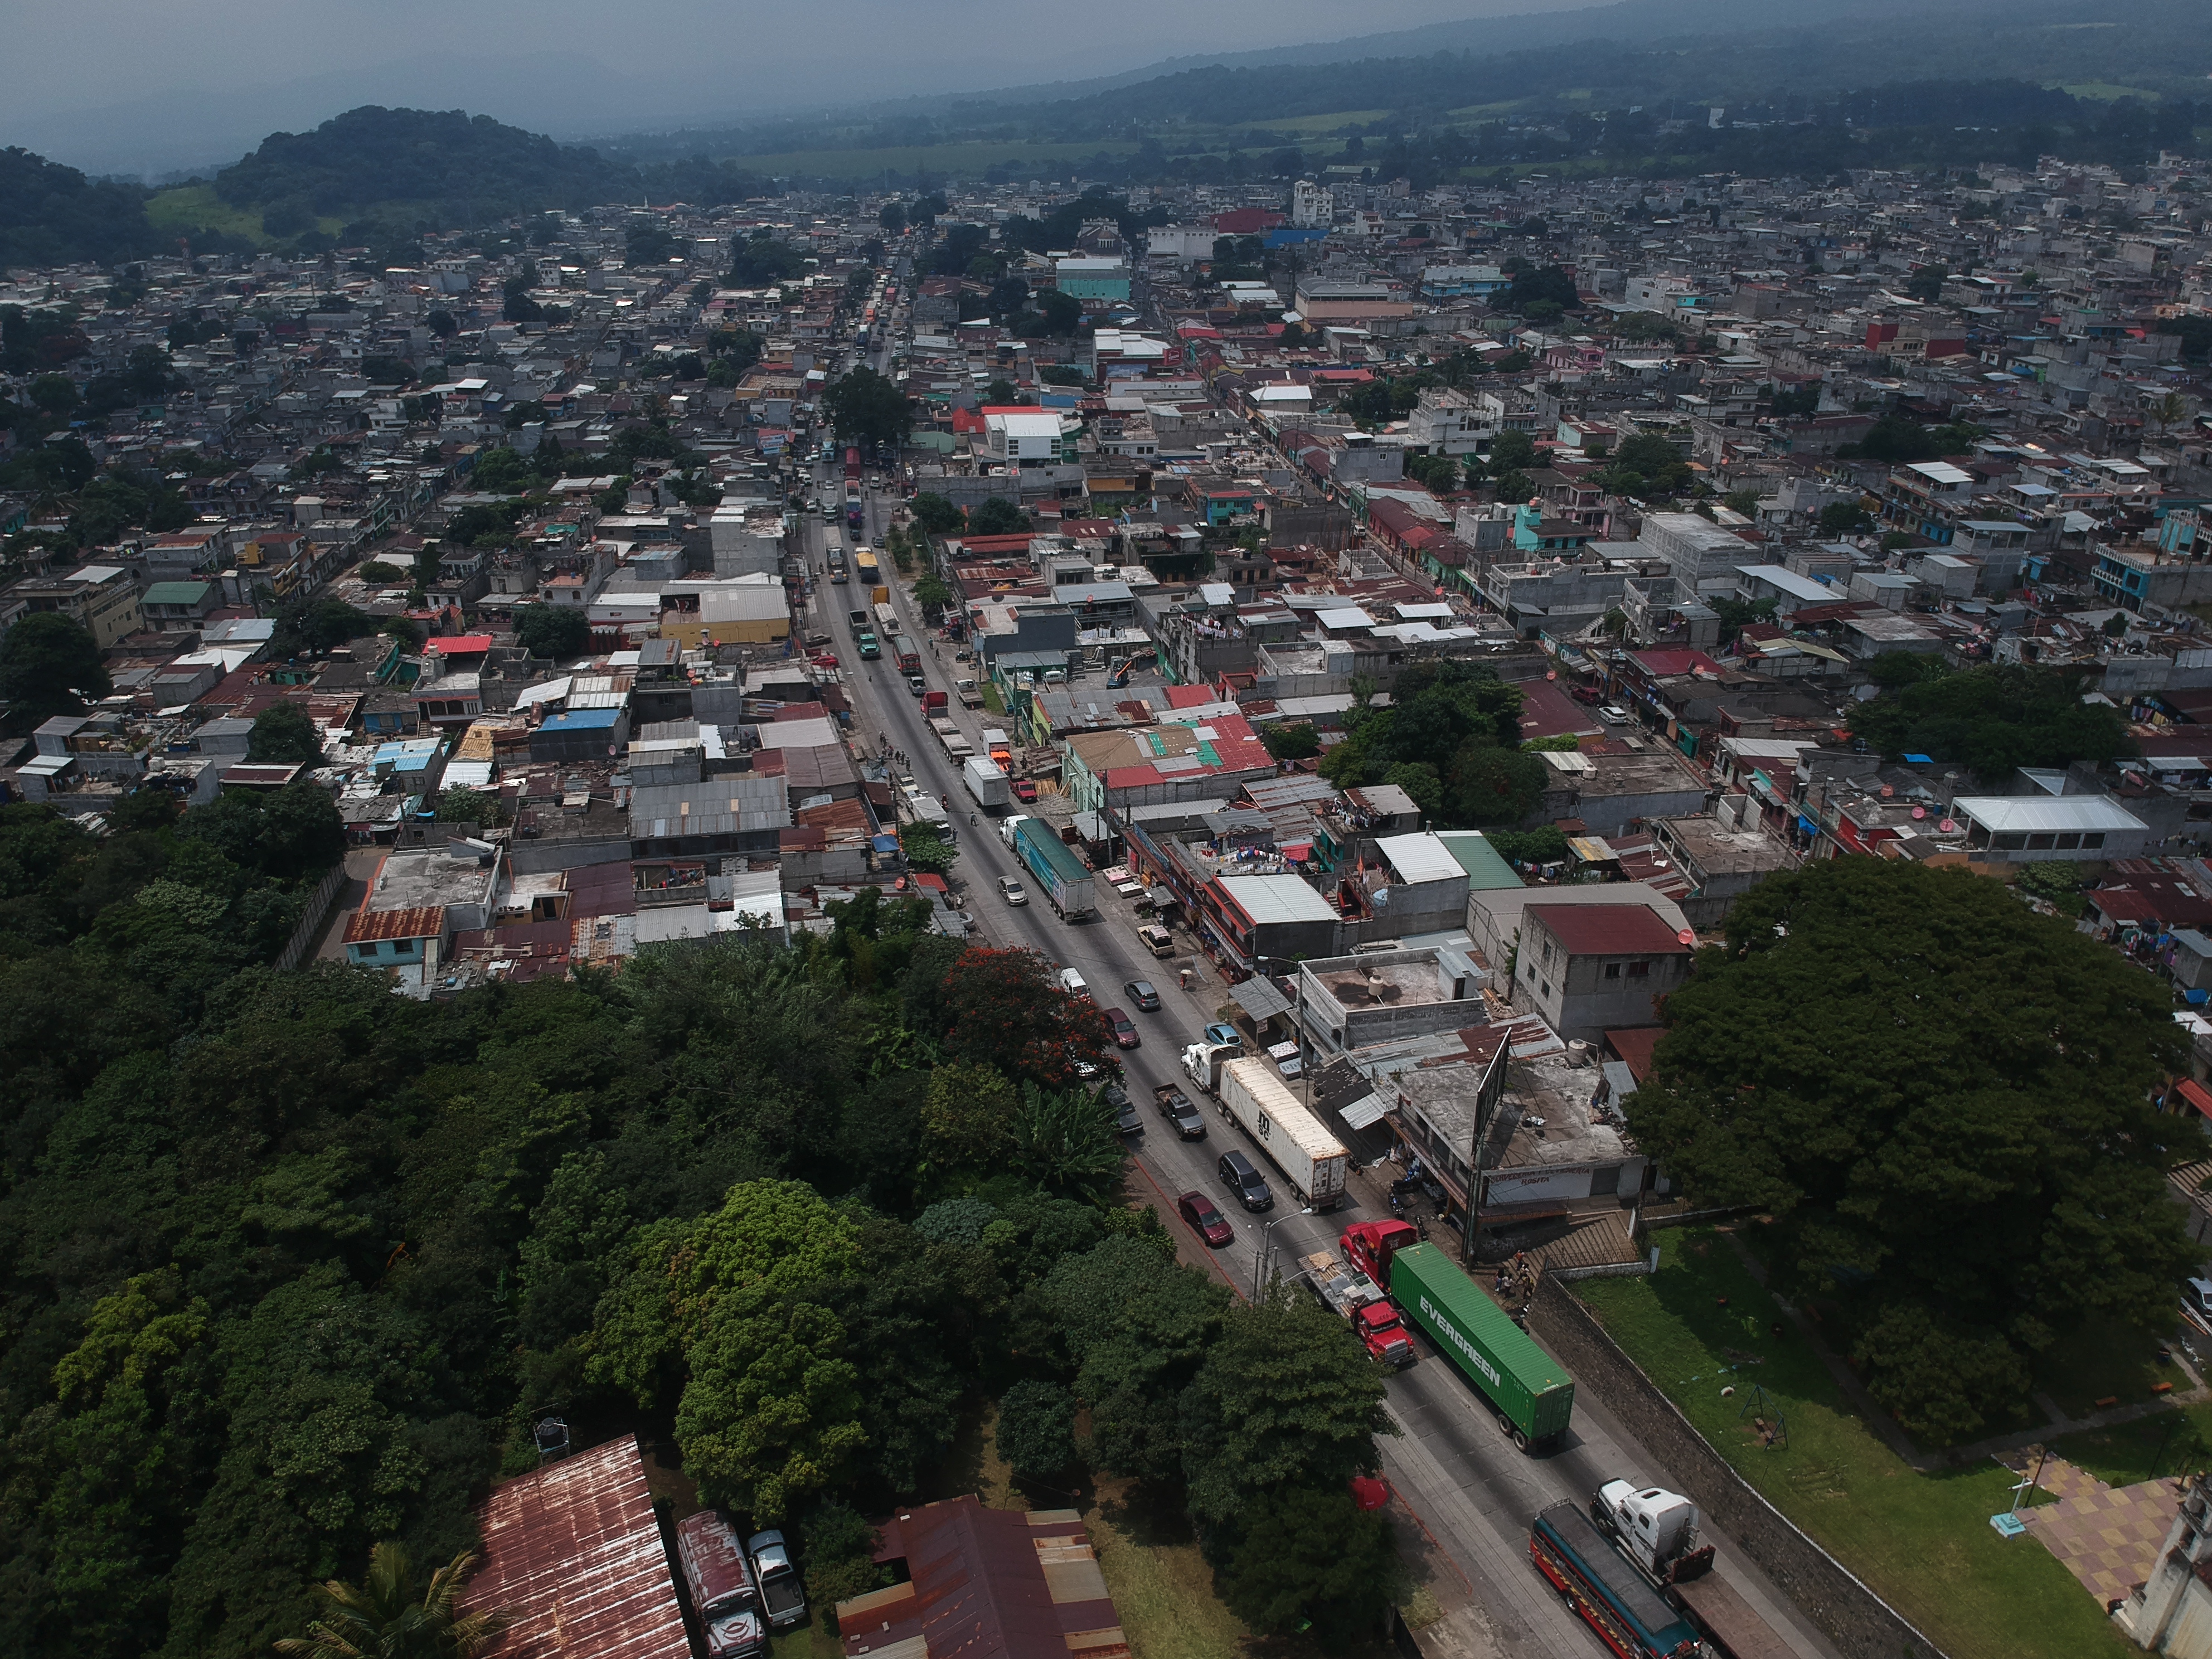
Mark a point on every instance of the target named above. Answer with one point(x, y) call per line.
point(383, 1619)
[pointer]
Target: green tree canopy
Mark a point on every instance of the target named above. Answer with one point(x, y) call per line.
point(552, 630)
point(50, 665)
point(936, 514)
point(283, 734)
point(1458, 728)
point(1943, 1101)
point(997, 516)
point(388, 1616)
point(1993, 719)
point(865, 408)
point(1036, 1428)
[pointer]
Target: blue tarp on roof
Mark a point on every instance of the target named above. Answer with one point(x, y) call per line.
point(583, 720)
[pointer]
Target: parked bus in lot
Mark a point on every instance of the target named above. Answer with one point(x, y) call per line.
point(723, 1591)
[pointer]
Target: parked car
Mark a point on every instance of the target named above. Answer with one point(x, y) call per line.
point(1207, 1222)
point(1012, 891)
point(1123, 1028)
point(915, 684)
point(1612, 713)
point(1071, 982)
point(1140, 992)
point(1126, 1119)
point(1248, 1183)
point(1586, 694)
point(1223, 1032)
point(1025, 789)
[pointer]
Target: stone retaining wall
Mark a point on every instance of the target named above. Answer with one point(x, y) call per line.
point(1859, 1622)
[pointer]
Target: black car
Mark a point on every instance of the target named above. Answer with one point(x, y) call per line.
point(1176, 1107)
point(1125, 1117)
point(1142, 996)
point(1248, 1183)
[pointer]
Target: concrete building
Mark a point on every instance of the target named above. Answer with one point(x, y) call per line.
point(1350, 1002)
point(1590, 968)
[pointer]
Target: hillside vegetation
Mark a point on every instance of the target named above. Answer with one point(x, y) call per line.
point(51, 214)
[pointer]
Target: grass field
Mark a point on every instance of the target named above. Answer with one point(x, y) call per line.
point(954, 161)
point(2106, 92)
point(2148, 1448)
point(1332, 122)
point(190, 206)
point(1923, 1542)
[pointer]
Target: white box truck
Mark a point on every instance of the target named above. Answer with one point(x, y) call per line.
point(1309, 1156)
point(987, 783)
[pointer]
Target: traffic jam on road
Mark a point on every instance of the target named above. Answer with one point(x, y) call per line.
point(1232, 1150)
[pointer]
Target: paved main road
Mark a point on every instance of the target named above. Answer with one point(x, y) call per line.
point(1473, 1491)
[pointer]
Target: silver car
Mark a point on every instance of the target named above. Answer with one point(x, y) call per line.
point(1012, 891)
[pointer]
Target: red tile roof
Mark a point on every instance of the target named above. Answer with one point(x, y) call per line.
point(1608, 930)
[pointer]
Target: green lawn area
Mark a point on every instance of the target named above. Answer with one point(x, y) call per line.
point(2107, 92)
point(190, 206)
point(1335, 121)
point(993, 702)
point(964, 160)
point(1923, 1542)
point(2163, 1443)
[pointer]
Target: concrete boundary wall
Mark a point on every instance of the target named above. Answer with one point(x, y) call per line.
point(1860, 1623)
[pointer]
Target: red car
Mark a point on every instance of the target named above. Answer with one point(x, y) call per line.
point(1024, 790)
point(1123, 1028)
point(1211, 1225)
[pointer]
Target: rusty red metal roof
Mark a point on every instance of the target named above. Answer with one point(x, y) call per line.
point(574, 1555)
point(424, 921)
point(986, 1584)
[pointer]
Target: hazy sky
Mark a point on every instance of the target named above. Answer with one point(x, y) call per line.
point(126, 84)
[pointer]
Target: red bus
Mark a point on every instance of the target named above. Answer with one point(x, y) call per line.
point(853, 464)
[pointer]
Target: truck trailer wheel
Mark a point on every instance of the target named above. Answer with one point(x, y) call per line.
point(1505, 1426)
point(1521, 1440)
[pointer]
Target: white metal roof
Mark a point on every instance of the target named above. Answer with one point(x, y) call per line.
point(2034, 814)
point(1276, 898)
point(1419, 857)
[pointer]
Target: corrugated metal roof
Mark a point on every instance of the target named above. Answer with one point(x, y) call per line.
point(424, 921)
point(574, 1555)
point(1419, 857)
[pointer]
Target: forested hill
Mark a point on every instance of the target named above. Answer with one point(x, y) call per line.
point(450, 167)
point(50, 215)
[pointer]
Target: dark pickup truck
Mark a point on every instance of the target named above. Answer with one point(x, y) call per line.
point(1175, 1107)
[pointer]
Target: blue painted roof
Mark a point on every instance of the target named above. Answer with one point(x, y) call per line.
point(583, 720)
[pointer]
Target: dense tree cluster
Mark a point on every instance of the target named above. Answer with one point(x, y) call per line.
point(289, 1266)
point(1942, 1099)
point(1451, 739)
point(1991, 718)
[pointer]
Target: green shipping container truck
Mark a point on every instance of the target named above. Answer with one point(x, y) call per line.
point(1531, 1392)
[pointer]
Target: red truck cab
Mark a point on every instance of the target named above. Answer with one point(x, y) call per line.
point(932, 702)
point(1369, 1246)
point(1379, 1328)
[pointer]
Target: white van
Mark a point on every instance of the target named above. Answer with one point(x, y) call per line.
point(1071, 982)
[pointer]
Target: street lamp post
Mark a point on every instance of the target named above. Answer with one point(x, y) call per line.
point(1260, 1262)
